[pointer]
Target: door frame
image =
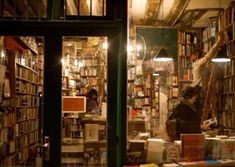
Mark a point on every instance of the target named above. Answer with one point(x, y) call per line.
point(116, 85)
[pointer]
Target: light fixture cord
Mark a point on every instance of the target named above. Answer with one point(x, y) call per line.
point(162, 27)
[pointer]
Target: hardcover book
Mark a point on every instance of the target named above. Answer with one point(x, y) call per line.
point(193, 146)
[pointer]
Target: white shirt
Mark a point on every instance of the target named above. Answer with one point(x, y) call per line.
point(199, 66)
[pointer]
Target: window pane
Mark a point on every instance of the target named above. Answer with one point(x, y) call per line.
point(86, 7)
point(23, 9)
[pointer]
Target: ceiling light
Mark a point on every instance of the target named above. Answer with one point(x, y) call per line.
point(105, 45)
point(156, 74)
point(221, 55)
point(129, 49)
point(138, 48)
point(162, 56)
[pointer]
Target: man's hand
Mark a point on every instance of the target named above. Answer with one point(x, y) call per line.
point(204, 127)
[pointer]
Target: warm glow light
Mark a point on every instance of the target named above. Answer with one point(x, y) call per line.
point(80, 64)
point(129, 49)
point(2, 54)
point(138, 48)
point(62, 61)
point(155, 74)
point(163, 59)
point(105, 45)
point(221, 60)
point(76, 62)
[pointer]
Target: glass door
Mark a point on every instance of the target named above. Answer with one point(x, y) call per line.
point(84, 101)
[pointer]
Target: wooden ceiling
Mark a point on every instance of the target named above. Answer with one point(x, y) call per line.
point(175, 13)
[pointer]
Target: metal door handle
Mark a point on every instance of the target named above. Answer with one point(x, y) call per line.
point(46, 148)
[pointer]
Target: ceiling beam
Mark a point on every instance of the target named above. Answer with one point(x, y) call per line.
point(151, 11)
point(176, 12)
point(190, 17)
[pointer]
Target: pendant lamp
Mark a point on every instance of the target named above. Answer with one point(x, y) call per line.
point(162, 55)
point(156, 74)
point(221, 55)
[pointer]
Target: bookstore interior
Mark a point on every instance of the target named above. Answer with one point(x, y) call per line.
point(155, 87)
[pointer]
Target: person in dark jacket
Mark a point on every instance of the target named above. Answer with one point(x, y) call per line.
point(188, 119)
point(92, 103)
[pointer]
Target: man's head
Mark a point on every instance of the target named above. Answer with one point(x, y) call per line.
point(191, 94)
point(196, 54)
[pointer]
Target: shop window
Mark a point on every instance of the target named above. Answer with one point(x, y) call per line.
point(29, 9)
point(85, 7)
point(37, 9)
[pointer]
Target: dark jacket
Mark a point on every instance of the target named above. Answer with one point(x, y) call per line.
point(188, 119)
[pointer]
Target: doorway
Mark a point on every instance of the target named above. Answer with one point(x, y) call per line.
point(84, 101)
point(51, 99)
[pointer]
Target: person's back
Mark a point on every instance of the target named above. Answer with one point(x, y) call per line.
point(185, 118)
point(189, 120)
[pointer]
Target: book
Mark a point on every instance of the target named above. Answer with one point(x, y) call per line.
point(91, 132)
point(193, 146)
point(149, 165)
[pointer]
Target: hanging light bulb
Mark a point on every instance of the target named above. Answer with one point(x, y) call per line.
point(76, 62)
point(162, 54)
point(221, 55)
point(155, 74)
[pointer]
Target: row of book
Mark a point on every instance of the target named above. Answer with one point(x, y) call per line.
point(187, 38)
point(9, 119)
point(227, 119)
point(230, 14)
point(24, 127)
point(18, 144)
point(26, 74)
point(91, 71)
point(24, 87)
point(27, 101)
point(185, 50)
point(27, 59)
point(229, 68)
point(229, 84)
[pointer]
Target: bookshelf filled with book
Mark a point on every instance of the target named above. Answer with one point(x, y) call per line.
point(188, 40)
point(82, 67)
point(225, 87)
point(20, 126)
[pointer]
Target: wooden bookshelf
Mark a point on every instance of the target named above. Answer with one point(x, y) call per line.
point(21, 122)
point(225, 89)
point(188, 40)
